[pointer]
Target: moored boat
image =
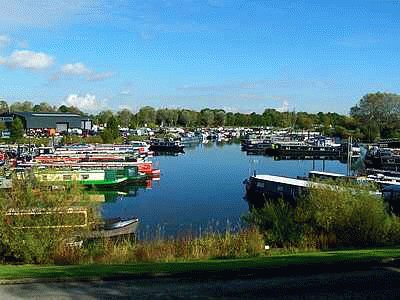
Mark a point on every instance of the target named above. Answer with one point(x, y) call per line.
point(91, 177)
point(166, 145)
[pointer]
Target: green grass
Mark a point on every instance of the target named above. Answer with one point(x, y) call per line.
point(230, 267)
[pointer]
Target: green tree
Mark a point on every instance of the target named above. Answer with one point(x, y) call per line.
point(147, 116)
point(70, 109)
point(219, 117)
point(377, 112)
point(103, 117)
point(21, 106)
point(111, 132)
point(43, 107)
point(124, 117)
point(17, 130)
point(206, 117)
point(3, 106)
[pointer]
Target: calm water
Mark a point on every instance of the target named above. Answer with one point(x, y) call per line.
point(203, 188)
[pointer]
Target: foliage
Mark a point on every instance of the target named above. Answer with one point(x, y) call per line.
point(276, 221)
point(331, 214)
point(147, 116)
point(246, 243)
point(70, 109)
point(376, 115)
point(21, 106)
point(379, 113)
point(3, 106)
point(28, 237)
point(111, 133)
point(17, 130)
point(44, 107)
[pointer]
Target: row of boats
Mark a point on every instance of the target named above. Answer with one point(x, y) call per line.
point(97, 167)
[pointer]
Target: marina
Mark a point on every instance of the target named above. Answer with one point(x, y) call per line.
point(163, 185)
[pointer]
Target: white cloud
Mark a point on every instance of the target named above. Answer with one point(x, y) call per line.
point(284, 107)
point(86, 102)
point(27, 60)
point(47, 13)
point(125, 92)
point(4, 40)
point(75, 69)
point(99, 76)
point(80, 70)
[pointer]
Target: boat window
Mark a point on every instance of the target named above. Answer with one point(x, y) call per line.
point(85, 176)
point(279, 188)
point(260, 184)
point(66, 177)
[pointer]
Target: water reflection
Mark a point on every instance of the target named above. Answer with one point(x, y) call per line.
point(202, 189)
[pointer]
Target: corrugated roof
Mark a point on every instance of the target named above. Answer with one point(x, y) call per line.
point(35, 120)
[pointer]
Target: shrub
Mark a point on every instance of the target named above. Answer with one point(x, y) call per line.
point(276, 221)
point(332, 214)
point(33, 219)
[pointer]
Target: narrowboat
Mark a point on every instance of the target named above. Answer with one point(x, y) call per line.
point(166, 145)
point(260, 188)
point(91, 178)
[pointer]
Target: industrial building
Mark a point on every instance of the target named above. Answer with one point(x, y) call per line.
point(50, 121)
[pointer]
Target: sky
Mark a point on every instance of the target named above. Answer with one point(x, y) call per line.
point(239, 55)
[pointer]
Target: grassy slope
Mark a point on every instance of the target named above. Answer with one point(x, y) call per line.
point(303, 261)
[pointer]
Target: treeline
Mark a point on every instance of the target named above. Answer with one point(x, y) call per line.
point(375, 116)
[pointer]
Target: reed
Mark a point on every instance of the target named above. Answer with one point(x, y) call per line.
point(246, 243)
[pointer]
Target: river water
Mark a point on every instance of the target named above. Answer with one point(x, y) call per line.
point(203, 189)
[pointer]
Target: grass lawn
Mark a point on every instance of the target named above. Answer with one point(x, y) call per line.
point(265, 264)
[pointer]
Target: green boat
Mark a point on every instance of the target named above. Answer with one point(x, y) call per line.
point(101, 178)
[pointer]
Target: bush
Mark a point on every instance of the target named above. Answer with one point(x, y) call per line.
point(330, 215)
point(276, 221)
point(33, 219)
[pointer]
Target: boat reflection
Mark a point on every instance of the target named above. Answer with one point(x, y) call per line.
point(111, 195)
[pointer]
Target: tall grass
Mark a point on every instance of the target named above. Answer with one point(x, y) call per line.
point(246, 243)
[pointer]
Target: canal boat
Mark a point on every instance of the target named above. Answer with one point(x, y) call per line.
point(145, 167)
point(288, 148)
point(383, 158)
point(91, 177)
point(260, 188)
point(166, 146)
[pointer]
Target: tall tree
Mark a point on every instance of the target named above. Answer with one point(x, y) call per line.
point(3, 106)
point(70, 109)
point(21, 106)
point(219, 117)
point(17, 130)
point(147, 116)
point(43, 107)
point(111, 132)
point(377, 112)
point(206, 117)
point(124, 117)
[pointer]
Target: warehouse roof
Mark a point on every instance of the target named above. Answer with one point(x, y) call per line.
point(49, 119)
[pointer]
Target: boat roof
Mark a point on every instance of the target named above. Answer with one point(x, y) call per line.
point(391, 188)
point(326, 174)
point(284, 180)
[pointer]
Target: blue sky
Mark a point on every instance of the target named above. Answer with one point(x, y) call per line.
point(240, 55)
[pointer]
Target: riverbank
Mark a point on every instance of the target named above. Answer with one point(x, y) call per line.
point(264, 266)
